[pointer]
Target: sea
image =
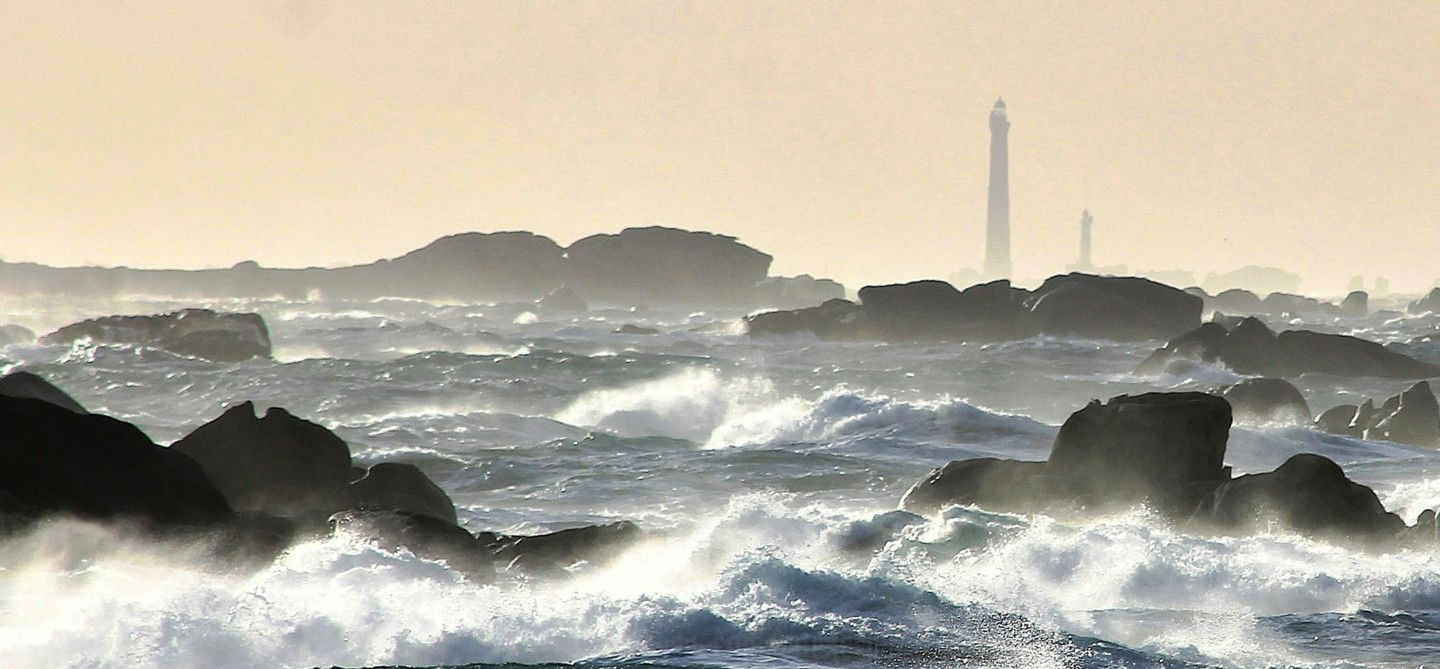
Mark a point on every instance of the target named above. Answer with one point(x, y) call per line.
point(755, 465)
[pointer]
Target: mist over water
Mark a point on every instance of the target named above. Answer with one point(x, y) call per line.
point(755, 460)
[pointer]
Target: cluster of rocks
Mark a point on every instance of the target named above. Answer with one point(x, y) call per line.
point(1284, 305)
point(1167, 451)
point(202, 333)
point(640, 266)
point(1070, 305)
point(1411, 417)
point(248, 486)
point(1248, 346)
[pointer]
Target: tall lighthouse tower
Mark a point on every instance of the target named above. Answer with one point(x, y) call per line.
point(997, 220)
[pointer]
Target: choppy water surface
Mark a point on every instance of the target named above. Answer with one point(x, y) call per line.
point(754, 460)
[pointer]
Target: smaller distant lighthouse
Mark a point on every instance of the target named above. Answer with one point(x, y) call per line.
point(1085, 263)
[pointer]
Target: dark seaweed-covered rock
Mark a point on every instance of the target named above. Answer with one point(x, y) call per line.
point(392, 486)
point(201, 333)
point(278, 464)
point(59, 461)
point(1267, 400)
point(1309, 494)
point(25, 384)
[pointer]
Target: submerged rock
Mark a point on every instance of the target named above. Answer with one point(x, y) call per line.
point(201, 333)
point(59, 461)
point(1266, 400)
point(25, 384)
point(278, 464)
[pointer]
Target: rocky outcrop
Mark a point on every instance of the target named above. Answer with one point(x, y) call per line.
point(1072, 305)
point(1253, 348)
point(548, 553)
point(1430, 304)
point(201, 333)
point(276, 464)
point(1411, 417)
point(1265, 400)
point(1107, 307)
point(1308, 493)
point(1356, 304)
point(1166, 450)
point(1237, 301)
point(796, 292)
point(659, 266)
point(61, 462)
point(25, 384)
point(393, 486)
point(493, 266)
point(835, 320)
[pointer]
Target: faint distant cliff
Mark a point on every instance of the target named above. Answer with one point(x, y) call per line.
point(650, 266)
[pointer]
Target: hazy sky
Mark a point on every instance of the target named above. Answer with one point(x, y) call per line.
point(847, 139)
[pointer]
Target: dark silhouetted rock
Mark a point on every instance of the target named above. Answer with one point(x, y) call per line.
point(563, 299)
point(58, 461)
point(1356, 304)
point(796, 292)
point(665, 267)
point(1237, 301)
point(1288, 305)
point(546, 553)
point(1309, 494)
point(1119, 308)
point(992, 483)
point(935, 311)
point(494, 266)
point(1339, 420)
point(392, 486)
point(1252, 348)
point(423, 535)
point(278, 464)
point(836, 320)
point(202, 333)
point(1267, 400)
point(1167, 449)
point(25, 384)
point(1412, 417)
point(1430, 304)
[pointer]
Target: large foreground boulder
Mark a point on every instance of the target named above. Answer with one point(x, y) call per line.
point(276, 464)
point(1253, 348)
point(1308, 493)
point(25, 384)
point(201, 333)
point(1109, 307)
point(59, 461)
point(1166, 450)
point(1265, 400)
